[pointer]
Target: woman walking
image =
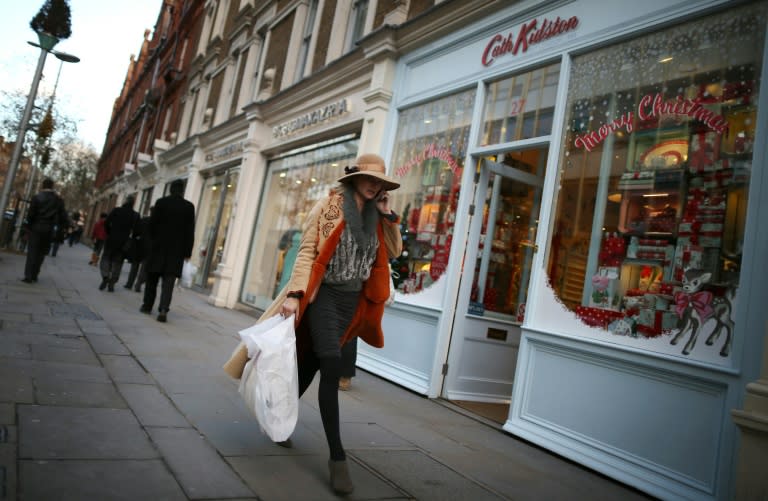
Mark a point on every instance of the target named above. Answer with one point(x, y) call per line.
point(337, 290)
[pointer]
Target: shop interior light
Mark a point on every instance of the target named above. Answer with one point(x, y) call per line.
point(666, 59)
point(652, 195)
point(615, 197)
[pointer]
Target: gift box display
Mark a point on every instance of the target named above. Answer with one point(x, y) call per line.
point(612, 250)
point(652, 323)
point(704, 151)
point(597, 317)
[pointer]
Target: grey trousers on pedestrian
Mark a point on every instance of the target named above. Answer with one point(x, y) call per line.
point(111, 266)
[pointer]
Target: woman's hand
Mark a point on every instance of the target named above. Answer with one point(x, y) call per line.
point(382, 203)
point(290, 306)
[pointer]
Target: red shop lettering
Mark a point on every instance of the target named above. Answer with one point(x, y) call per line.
point(430, 151)
point(654, 106)
point(592, 139)
point(650, 106)
point(528, 35)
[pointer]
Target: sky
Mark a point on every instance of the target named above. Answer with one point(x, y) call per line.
point(104, 35)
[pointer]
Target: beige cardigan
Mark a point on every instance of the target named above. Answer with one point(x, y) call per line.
point(321, 233)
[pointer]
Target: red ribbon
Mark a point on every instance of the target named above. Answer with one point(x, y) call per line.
point(701, 302)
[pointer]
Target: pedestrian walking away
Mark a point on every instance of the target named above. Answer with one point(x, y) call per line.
point(172, 234)
point(77, 225)
point(141, 248)
point(98, 236)
point(337, 290)
point(46, 212)
point(121, 223)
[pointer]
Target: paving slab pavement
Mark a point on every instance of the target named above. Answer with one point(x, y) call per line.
point(101, 402)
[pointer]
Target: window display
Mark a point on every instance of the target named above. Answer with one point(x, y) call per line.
point(295, 182)
point(651, 206)
point(428, 159)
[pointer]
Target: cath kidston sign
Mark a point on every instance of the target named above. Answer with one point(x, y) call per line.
point(530, 33)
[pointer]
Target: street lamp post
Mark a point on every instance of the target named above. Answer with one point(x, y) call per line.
point(46, 45)
point(63, 57)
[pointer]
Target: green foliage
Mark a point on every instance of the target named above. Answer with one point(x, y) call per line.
point(53, 18)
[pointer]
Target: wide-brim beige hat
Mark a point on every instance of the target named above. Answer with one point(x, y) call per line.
point(370, 165)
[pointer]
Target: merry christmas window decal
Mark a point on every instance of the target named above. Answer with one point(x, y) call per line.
point(428, 160)
point(651, 206)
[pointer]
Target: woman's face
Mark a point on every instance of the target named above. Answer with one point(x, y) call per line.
point(367, 186)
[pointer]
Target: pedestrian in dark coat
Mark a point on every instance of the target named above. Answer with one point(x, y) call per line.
point(120, 225)
point(46, 211)
point(172, 231)
point(142, 245)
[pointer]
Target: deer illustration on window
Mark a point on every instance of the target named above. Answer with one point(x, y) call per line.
point(695, 306)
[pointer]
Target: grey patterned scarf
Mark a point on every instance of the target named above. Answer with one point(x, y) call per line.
point(351, 262)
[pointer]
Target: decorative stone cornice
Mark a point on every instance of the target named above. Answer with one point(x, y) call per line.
point(377, 96)
point(381, 44)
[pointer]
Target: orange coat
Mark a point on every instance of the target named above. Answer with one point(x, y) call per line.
point(321, 234)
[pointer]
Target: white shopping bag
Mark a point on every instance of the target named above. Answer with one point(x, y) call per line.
point(188, 273)
point(270, 381)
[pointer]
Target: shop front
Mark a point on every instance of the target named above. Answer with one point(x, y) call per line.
point(579, 201)
point(302, 152)
point(295, 181)
point(214, 214)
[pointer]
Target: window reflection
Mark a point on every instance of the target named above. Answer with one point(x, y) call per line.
point(521, 106)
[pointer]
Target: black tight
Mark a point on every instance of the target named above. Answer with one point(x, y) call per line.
point(327, 397)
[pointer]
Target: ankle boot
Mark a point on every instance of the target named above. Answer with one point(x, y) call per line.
point(341, 483)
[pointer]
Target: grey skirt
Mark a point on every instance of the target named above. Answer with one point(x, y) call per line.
point(329, 316)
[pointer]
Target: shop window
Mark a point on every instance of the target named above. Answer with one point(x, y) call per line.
point(295, 182)
point(521, 106)
point(428, 159)
point(653, 181)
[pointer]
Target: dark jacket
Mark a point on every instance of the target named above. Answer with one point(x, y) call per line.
point(172, 232)
point(142, 240)
point(46, 210)
point(120, 225)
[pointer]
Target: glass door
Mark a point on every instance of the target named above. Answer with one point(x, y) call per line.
point(213, 223)
point(497, 271)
